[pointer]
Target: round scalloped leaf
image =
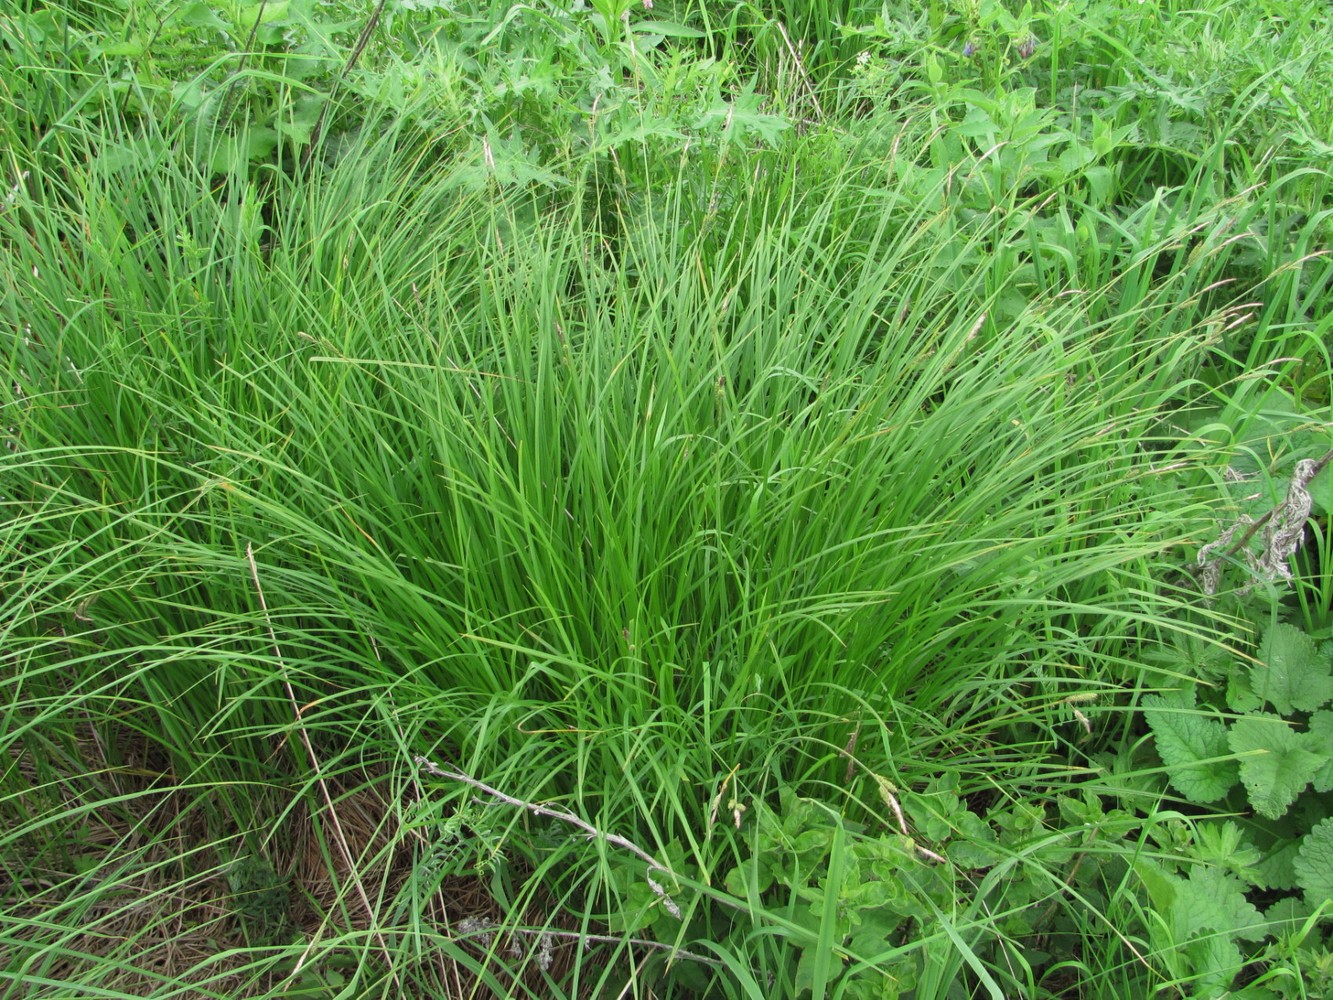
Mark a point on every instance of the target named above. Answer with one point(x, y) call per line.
point(1314, 863)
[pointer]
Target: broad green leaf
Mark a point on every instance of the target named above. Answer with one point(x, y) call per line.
point(738, 877)
point(1190, 745)
point(1291, 911)
point(1020, 822)
point(128, 48)
point(974, 845)
point(235, 152)
point(199, 14)
point(1240, 696)
point(1321, 742)
point(1275, 763)
point(885, 857)
point(1163, 888)
point(304, 117)
point(1293, 674)
point(263, 13)
point(1087, 811)
point(1314, 863)
point(1211, 899)
point(1276, 870)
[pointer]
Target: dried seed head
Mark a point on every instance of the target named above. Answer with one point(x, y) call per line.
point(1284, 528)
point(668, 903)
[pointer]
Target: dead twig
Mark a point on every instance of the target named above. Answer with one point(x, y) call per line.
point(564, 816)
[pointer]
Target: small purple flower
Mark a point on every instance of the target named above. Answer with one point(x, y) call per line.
point(1028, 47)
point(969, 50)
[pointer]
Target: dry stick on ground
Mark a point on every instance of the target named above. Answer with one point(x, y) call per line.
point(438, 898)
point(490, 931)
point(338, 836)
point(430, 767)
point(583, 938)
point(564, 816)
point(632, 982)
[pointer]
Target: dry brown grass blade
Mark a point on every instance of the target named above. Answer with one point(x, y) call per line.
point(339, 839)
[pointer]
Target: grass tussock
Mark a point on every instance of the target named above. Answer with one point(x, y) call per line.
point(704, 525)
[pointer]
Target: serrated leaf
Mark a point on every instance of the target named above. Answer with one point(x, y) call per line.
point(1190, 744)
point(974, 846)
point(1321, 740)
point(1214, 962)
point(1275, 763)
point(1291, 911)
point(1211, 899)
point(1292, 674)
point(1240, 696)
point(1227, 847)
point(1314, 863)
point(1275, 871)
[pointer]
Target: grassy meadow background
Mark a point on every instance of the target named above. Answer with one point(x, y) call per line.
point(685, 498)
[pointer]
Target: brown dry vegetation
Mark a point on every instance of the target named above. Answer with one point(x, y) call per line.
point(129, 875)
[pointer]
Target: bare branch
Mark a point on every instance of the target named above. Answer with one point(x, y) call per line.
point(563, 816)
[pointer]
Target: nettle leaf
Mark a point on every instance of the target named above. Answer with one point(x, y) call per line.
point(1276, 870)
point(1190, 744)
point(1321, 736)
point(1293, 674)
point(976, 843)
point(200, 15)
point(1211, 899)
point(1162, 887)
point(1240, 696)
point(1314, 863)
point(1276, 764)
point(1194, 655)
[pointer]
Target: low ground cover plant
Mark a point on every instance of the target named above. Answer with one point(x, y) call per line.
point(571, 499)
